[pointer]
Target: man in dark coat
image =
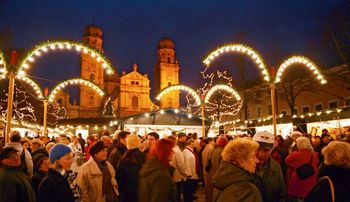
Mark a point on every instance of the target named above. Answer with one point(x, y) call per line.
point(14, 184)
point(118, 152)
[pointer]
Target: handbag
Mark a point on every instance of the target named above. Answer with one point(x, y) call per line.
point(306, 170)
point(331, 186)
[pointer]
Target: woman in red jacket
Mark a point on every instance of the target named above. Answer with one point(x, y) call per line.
point(298, 188)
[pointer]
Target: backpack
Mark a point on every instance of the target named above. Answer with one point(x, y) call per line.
point(23, 165)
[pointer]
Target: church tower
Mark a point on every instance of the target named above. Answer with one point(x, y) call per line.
point(166, 73)
point(90, 101)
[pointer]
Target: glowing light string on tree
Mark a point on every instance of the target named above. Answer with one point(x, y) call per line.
point(221, 87)
point(33, 84)
point(3, 67)
point(73, 81)
point(299, 60)
point(45, 47)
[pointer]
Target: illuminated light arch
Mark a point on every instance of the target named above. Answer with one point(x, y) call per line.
point(240, 48)
point(3, 67)
point(73, 81)
point(45, 47)
point(221, 87)
point(34, 85)
point(299, 60)
point(181, 88)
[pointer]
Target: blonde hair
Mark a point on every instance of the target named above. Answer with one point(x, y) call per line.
point(304, 143)
point(49, 146)
point(337, 153)
point(238, 150)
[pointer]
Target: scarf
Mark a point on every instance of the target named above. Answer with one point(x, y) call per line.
point(107, 187)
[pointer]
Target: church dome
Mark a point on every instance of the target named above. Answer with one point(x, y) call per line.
point(166, 43)
point(93, 30)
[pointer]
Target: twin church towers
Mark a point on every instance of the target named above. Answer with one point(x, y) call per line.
point(127, 93)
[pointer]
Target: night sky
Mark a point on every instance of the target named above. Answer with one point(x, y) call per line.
point(132, 29)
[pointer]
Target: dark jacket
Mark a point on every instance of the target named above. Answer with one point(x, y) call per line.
point(155, 184)
point(234, 184)
point(127, 175)
point(36, 179)
point(270, 181)
point(15, 186)
point(116, 155)
point(341, 182)
point(55, 188)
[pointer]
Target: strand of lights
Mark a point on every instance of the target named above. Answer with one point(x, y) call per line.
point(280, 116)
point(240, 48)
point(299, 60)
point(47, 46)
point(55, 112)
point(181, 88)
point(221, 87)
point(34, 85)
point(3, 68)
point(74, 81)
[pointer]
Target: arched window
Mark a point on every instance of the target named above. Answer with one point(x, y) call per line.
point(92, 77)
point(59, 101)
point(134, 102)
point(91, 99)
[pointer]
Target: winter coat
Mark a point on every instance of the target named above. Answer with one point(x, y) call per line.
point(191, 164)
point(28, 156)
point(234, 184)
point(271, 183)
point(155, 184)
point(128, 176)
point(55, 188)
point(90, 180)
point(296, 186)
point(215, 159)
point(116, 155)
point(15, 186)
point(206, 154)
point(36, 180)
point(340, 177)
point(178, 162)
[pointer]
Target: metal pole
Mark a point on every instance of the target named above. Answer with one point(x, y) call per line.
point(45, 117)
point(203, 122)
point(10, 105)
point(273, 106)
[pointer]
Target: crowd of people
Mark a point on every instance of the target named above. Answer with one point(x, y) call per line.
point(128, 167)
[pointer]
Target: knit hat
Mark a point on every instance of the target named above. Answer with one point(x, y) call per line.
point(133, 142)
point(58, 151)
point(6, 152)
point(38, 160)
point(265, 139)
point(97, 147)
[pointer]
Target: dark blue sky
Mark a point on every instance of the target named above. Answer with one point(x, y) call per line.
point(133, 28)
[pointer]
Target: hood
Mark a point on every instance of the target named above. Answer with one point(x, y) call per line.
point(228, 174)
point(335, 172)
point(150, 166)
point(15, 145)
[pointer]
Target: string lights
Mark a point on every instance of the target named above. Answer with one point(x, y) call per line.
point(34, 85)
point(181, 88)
point(3, 68)
point(299, 60)
point(240, 48)
point(81, 81)
point(47, 46)
point(221, 87)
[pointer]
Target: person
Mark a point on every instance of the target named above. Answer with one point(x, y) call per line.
point(77, 153)
point(215, 160)
point(91, 140)
point(155, 184)
point(206, 153)
point(26, 157)
point(49, 146)
point(14, 184)
point(152, 139)
point(81, 142)
point(324, 142)
point(268, 175)
point(233, 181)
point(316, 141)
point(114, 142)
point(106, 140)
point(298, 188)
point(96, 178)
point(119, 150)
point(181, 140)
point(179, 176)
point(54, 187)
point(128, 169)
point(41, 168)
point(337, 168)
point(38, 148)
point(192, 168)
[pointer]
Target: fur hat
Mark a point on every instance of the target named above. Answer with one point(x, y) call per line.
point(97, 147)
point(133, 142)
point(6, 152)
point(265, 139)
point(58, 151)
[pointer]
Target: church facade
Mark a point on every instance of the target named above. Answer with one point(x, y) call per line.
point(127, 93)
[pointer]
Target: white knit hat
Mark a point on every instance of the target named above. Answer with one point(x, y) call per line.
point(133, 142)
point(265, 139)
